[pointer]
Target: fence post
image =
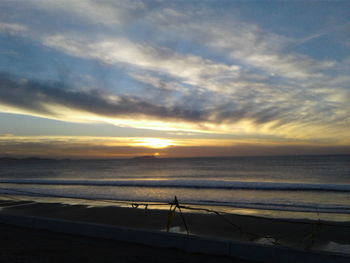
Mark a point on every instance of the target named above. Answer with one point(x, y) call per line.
point(171, 214)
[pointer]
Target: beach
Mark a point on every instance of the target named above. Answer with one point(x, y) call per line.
point(23, 244)
point(306, 235)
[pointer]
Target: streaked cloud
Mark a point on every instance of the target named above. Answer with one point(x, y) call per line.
point(58, 101)
point(41, 97)
point(179, 67)
point(191, 68)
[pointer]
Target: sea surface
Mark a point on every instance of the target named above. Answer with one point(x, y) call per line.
point(316, 187)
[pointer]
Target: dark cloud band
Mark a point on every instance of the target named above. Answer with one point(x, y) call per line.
point(36, 96)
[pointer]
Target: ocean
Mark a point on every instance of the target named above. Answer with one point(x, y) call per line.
point(313, 187)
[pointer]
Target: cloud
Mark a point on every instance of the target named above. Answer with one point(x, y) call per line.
point(38, 97)
point(158, 83)
point(247, 43)
point(247, 114)
point(12, 28)
point(103, 12)
point(243, 42)
point(114, 51)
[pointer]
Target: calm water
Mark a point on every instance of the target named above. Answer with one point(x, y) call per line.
point(293, 186)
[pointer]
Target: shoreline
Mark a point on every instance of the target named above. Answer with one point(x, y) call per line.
point(285, 215)
point(302, 234)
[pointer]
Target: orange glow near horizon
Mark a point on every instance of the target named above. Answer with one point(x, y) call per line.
point(124, 147)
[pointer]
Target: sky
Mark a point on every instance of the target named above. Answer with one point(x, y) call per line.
point(124, 78)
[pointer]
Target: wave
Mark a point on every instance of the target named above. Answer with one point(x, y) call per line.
point(195, 184)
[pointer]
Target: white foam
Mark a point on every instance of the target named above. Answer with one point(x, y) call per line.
point(209, 184)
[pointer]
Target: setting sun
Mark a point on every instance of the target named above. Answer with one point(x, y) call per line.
point(153, 142)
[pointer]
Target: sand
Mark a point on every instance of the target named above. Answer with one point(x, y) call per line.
point(304, 234)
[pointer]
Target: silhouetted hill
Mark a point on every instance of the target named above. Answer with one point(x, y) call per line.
point(28, 159)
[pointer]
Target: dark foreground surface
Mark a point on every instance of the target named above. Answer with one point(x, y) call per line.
point(301, 234)
point(28, 245)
